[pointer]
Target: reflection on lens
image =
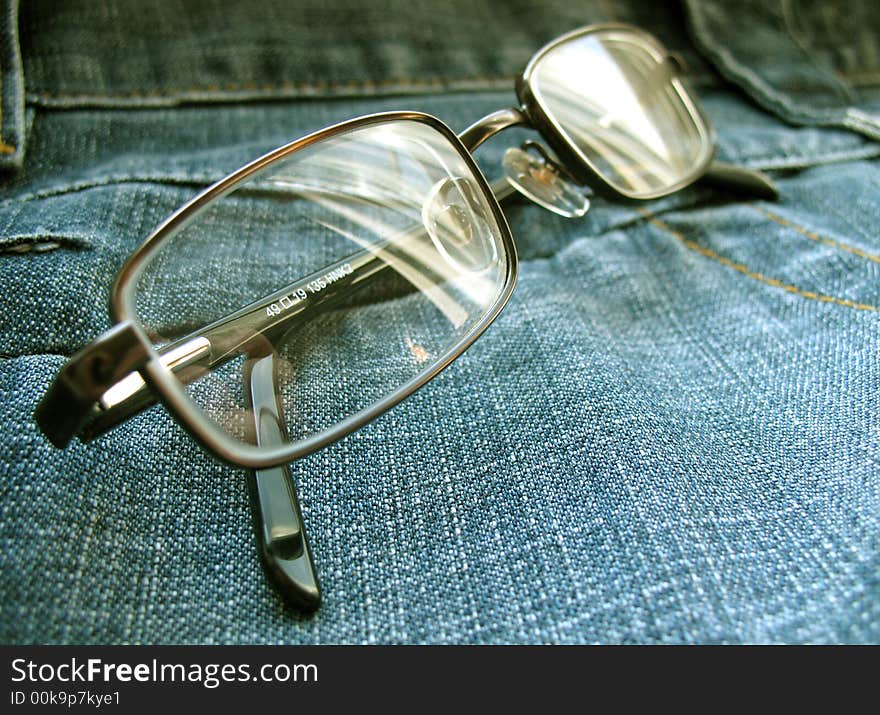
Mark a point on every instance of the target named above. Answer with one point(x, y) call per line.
point(615, 97)
point(359, 262)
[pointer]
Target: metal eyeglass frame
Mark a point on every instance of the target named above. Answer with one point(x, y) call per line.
point(72, 404)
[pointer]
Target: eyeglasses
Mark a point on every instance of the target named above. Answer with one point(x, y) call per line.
point(314, 288)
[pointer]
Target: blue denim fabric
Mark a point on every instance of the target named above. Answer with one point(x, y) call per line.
point(810, 63)
point(669, 435)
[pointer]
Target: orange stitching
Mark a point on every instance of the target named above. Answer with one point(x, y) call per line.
point(318, 86)
point(746, 271)
point(815, 236)
point(428, 82)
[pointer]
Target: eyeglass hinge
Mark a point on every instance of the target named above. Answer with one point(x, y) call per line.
point(85, 377)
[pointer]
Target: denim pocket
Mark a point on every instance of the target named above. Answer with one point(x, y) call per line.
point(131, 54)
point(808, 63)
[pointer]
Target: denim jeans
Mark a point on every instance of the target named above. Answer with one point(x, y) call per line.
point(669, 435)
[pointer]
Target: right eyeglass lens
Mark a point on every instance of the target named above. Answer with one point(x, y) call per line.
point(355, 265)
point(615, 97)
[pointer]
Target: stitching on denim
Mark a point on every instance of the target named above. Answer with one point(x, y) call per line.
point(427, 82)
point(4, 147)
point(369, 84)
point(813, 236)
point(756, 84)
point(197, 182)
point(870, 151)
point(749, 273)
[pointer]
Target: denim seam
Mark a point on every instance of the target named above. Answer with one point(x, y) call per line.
point(12, 112)
point(749, 273)
point(767, 163)
point(737, 72)
point(247, 90)
point(731, 68)
point(813, 236)
point(116, 180)
point(871, 151)
point(4, 147)
point(430, 83)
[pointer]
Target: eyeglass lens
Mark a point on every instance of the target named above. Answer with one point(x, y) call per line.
point(358, 262)
point(615, 96)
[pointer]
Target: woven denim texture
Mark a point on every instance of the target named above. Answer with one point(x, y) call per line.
point(670, 434)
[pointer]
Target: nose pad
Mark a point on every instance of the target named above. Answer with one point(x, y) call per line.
point(538, 178)
point(459, 221)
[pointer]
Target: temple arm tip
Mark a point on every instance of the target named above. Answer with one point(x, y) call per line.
point(278, 524)
point(747, 181)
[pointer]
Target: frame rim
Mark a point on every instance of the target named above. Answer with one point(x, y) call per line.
point(169, 390)
point(571, 156)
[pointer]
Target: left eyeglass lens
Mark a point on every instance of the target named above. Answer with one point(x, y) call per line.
point(616, 97)
point(357, 263)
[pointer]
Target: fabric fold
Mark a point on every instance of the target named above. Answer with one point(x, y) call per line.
point(12, 121)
